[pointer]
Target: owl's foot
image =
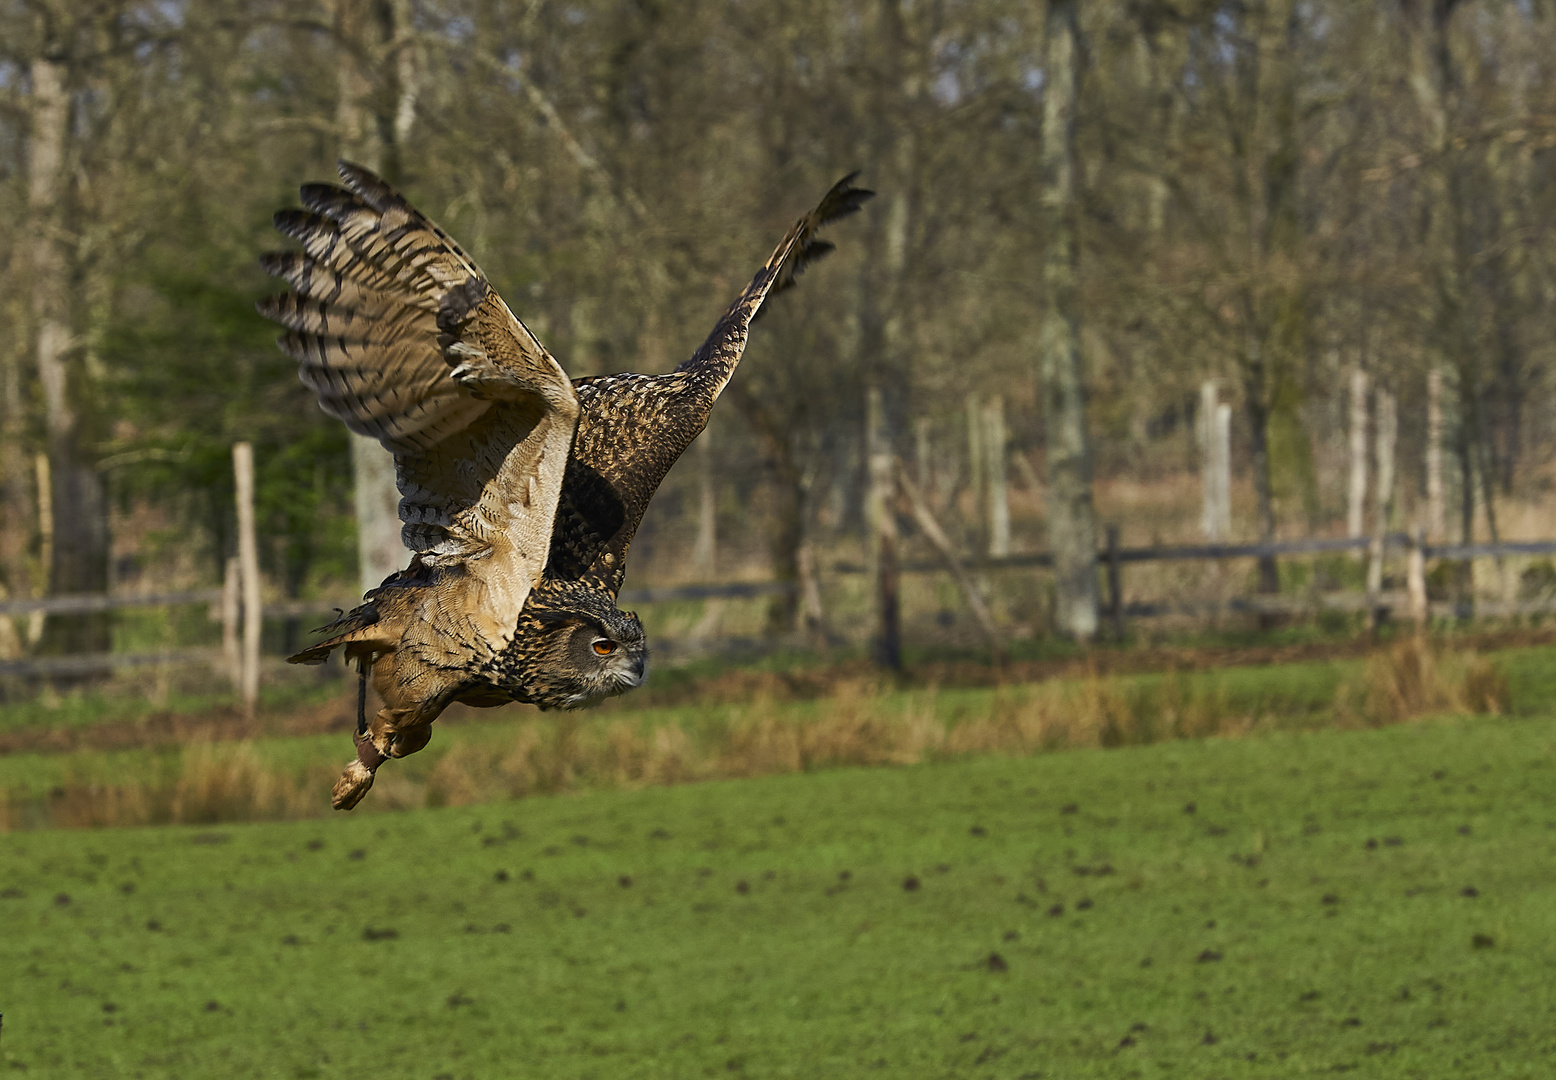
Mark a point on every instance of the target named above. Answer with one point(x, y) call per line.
point(354, 783)
point(357, 778)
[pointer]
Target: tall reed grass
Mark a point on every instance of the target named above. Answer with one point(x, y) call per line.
point(861, 722)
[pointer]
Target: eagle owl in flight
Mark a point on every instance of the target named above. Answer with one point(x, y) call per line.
point(521, 490)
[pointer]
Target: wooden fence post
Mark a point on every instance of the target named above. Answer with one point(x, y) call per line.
point(232, 611)
point(994, 442)
point(248, 572)
point(1115, 584)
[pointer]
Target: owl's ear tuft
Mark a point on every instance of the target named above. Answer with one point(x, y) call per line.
point(552, 620)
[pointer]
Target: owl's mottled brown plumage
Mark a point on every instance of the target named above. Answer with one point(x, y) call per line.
point(521, 491)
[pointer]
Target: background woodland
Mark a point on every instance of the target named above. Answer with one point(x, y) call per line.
point(1272, 194)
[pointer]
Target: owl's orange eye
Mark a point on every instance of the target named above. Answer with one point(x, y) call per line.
point(604, 648)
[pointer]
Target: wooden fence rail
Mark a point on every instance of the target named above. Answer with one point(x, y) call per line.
point(1109, 560)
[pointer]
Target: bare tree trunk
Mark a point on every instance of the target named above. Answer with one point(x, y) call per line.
point(1464, 451)
point(1356, 503)
point(1436, 501)
point(1072, 529)
point(975, 455)
point(1387, 437)
point(376, 500)
point(80, 555)
point(942, 543)
point(705, 551)
point(813, 616)
point(790, 491)
point(1415, 581)
point(1264, 495)
point(44, 485)
point(1223, 449)
point(232, 614)
point(16, 521)
point(787, 537)
point(1450, 251)
point(923, 456)
point(374, 111)
point(883, 534)
point(1271, 302)
point(994, 443)
point(1388, 430)
point(1215, 437)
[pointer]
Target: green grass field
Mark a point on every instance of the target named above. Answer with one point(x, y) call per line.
point(1378, 902)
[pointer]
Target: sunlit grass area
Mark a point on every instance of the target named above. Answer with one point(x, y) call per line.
point(1373, 901)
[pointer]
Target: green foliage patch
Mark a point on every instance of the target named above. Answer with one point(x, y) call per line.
point(1372, 901)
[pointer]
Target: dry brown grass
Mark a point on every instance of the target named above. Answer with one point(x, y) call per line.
point(861, 722)
point(1411, 679)
point(215, 782)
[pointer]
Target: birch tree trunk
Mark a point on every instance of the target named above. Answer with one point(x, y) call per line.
point(1387, 438)
point(1436, 501)
point(1356, 502)
point(1072, 529)
point(1388, 431)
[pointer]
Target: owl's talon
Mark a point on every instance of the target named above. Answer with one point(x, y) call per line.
point(354, 782)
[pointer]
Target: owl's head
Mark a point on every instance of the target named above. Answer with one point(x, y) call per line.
point(579, 649)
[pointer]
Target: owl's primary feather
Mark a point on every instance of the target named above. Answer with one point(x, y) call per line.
point(521, 492)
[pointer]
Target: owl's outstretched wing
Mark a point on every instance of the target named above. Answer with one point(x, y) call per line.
point(632, 428)
point(401, 336)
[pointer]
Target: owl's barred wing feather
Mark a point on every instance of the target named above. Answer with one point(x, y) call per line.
point(401, 336)
point(712, 365)
point(633, 428)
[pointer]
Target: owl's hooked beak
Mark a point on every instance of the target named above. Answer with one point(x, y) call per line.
point(630, 671)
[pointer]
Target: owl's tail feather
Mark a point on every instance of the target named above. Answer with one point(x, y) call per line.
point(372, 627)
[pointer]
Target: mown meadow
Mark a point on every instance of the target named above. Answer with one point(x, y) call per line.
point(1292, 903)
point(1301, 868)
point(1287, 904)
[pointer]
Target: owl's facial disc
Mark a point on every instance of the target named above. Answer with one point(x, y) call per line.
point(580, 649)
point(608, 660)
